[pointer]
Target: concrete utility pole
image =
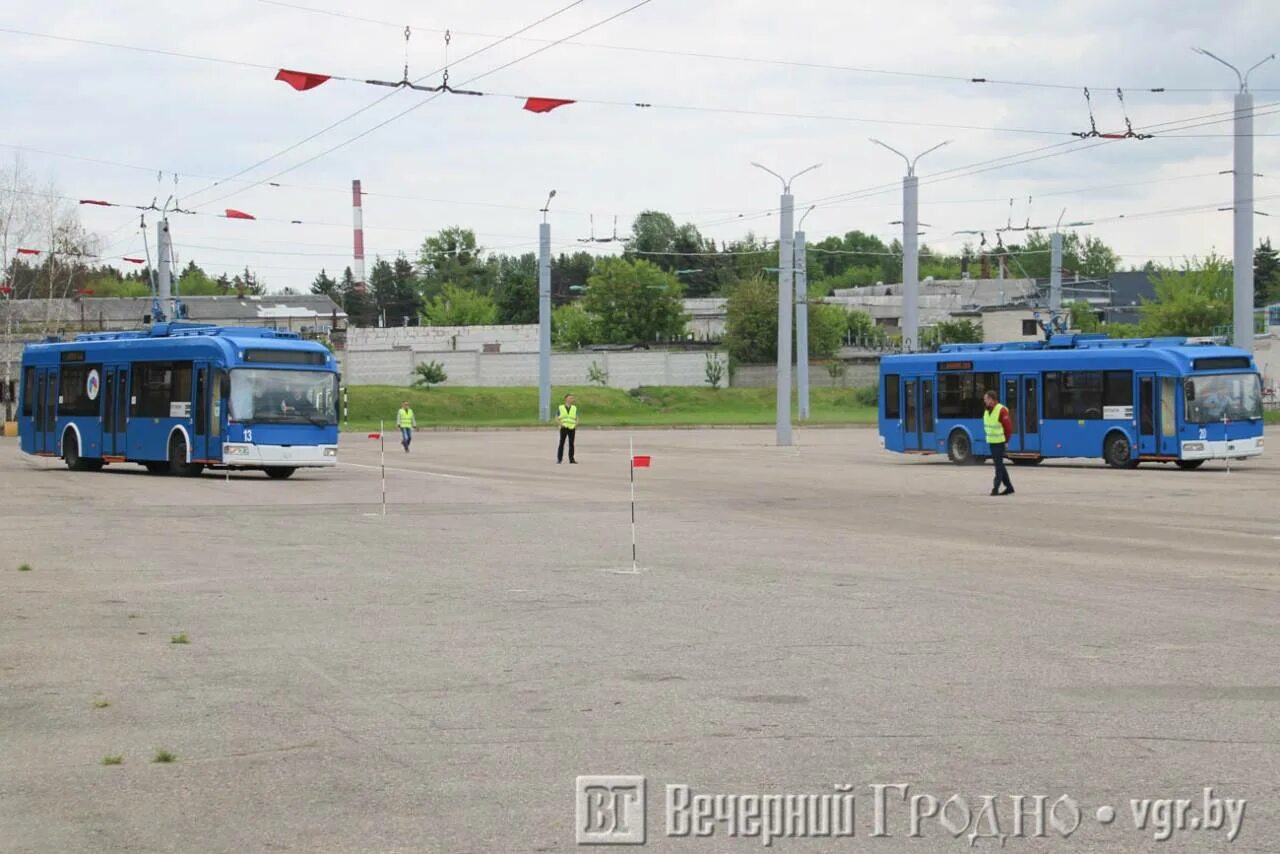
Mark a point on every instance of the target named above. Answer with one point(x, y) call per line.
point(164, 288)
point(544, 313)
point(802, 320)
point(1055, 263)
point(786, 306)
point(1242, 167)
point(910, 246)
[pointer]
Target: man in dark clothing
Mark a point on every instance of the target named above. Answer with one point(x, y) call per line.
point(998, 426)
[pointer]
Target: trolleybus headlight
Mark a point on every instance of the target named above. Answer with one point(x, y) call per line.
point(1193, 446)
point(1259, 441)
point(330, 452)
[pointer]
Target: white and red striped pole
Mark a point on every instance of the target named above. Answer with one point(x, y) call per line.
point(357, 213)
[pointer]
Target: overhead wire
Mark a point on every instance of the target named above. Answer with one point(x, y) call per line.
point(821, 66)
point(435, 97)
point(373, 104)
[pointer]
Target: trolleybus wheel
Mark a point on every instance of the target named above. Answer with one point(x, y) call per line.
point(280, 472)
point(154, 467)
point(1189, 464)
point(959, 448)
point(1027, 461)
point(178, 458)
point(1118, 452)
point(71, 454)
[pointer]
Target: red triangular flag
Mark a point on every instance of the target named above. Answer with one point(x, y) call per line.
point(301, 80)
point(232, 213)
point(96, 202)
point(641, 462)
point(28, 251)
point(375, 435)
point(133, 260)
point(544, 105)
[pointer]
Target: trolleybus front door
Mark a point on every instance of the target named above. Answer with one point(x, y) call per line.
point(1015, 414)
point(1147, 415)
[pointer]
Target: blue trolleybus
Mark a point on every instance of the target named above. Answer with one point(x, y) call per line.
point(179, 397)
point(1126, 401)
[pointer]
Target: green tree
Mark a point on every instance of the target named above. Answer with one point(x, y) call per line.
point(863, 330)
point(193, 281)
point(457, 306)
point(1087, 256)
point(751, 321)
point(356, 301)
point(1190, 301)
point(1083, 317)
point(827, 326)
point(1266, 275)
point(572, 327)
point(958, 331)
point(326, 285)
point(452, 257)
point(634, 301)
point(517, 292)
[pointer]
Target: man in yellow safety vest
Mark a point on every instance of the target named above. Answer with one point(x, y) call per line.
point(999, 427)
point(406, 422)
point(567, 418)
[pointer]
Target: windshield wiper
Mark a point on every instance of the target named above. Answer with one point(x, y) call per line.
point(318, 421)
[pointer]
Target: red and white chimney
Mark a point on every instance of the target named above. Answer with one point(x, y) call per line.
point(357, 212)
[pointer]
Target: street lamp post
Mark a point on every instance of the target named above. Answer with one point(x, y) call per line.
point(786, 298)
point(910, 246)
point(544, 313)
point(802, 319)
point(1242, 166)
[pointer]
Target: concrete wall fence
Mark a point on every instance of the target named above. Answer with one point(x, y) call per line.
point(626, 369)
point(521, 338)
point(858, 373)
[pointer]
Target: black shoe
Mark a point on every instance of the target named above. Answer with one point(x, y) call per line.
point(558, 462)
point(573, 462)
point(1008, 491)
point(995, 491)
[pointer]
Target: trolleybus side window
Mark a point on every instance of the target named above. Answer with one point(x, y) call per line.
point(78, 389)
point(159, 385)
point(1117, 389)
point(29, 393)
point(890, 391)
point(1076, 395)
point(960, 394)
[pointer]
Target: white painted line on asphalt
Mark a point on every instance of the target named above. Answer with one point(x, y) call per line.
point(409, 471)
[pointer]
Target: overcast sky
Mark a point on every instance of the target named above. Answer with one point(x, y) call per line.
point(487, 164)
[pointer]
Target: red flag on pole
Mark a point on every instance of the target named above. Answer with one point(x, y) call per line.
point(301, 80)
point(28, 251)
point(375, 435)
point(232, 213)
point(544, 105)
point(641, 461)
